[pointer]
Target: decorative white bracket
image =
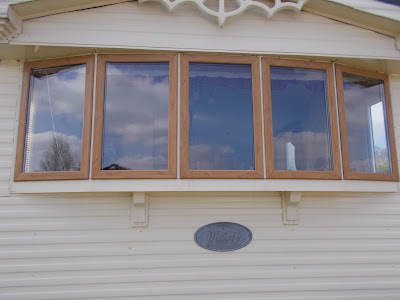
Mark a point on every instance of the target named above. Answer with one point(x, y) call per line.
point(10, 27)
point(290, 202)
point(221, 14)
point(7, 31)
point(140, 209)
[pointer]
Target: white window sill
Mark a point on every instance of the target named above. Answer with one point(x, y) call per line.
point(201, 185)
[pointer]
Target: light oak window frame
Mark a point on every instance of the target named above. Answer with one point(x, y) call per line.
point(97, 173)
point(347, 173)
point(83, 173)
point(185, 172)
point(269, 146)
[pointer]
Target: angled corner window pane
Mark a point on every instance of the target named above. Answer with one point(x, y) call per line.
point(367, 134)
point(135, 126)
point(53, 138)
point(300, 118)
point(220, 117)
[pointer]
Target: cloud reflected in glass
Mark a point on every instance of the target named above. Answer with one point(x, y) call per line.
point(135, 134)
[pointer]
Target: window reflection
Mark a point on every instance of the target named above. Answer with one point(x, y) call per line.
point(135, 125)
point(300, 117)
point(366, 124)
point(55, 119)
point(220, 117)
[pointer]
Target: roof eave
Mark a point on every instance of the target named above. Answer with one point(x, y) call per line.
point(350, 15)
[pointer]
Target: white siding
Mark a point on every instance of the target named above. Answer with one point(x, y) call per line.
point(9, 93)
point(347, 246)
point(394, 81)
point(150, 26)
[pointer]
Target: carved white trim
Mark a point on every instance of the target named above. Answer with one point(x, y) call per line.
point(222, 15)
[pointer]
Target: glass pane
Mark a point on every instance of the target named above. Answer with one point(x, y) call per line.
point(220, 117)
point(366, 124)
point(55, 119)
point(300, 117)
point(135, 130)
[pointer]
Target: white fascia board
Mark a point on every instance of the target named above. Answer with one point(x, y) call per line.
point(354, 16)
point(39, 8)
point(374, 7)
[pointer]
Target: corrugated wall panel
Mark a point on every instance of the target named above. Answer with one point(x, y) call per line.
point(83, 247)
point(150, 26)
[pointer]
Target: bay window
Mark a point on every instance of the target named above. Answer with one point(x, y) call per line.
point(221, 121)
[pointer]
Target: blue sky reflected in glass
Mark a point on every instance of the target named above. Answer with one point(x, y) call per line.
point(220, 117)
point(366, 124)
point(135, 126)
point(55, 119)
point(300, 117)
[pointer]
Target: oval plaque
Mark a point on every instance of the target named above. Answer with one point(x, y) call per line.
point(223, 236)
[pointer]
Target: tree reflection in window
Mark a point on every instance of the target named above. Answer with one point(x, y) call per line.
point(55, 119)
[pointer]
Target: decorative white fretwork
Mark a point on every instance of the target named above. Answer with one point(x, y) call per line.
point(221, 14)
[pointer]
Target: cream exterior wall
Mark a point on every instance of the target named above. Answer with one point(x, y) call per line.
point(82, 245)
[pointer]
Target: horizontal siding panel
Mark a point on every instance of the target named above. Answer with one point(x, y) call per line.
point(8, 100)
point(4, 164)
point(6, 125)
point(161, 276)
point(372, 295)
point(348, 270)
point(8, 89)
point(7, 113)
point(4, 176)
point(203, 287)
point(59, 234)
point(189, 247)
point(241, 260)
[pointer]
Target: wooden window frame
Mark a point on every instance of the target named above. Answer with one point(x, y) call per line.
point(185, 172)
point(83, 173)
point(269, 146)
point(347, 173)
point(97, 173)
